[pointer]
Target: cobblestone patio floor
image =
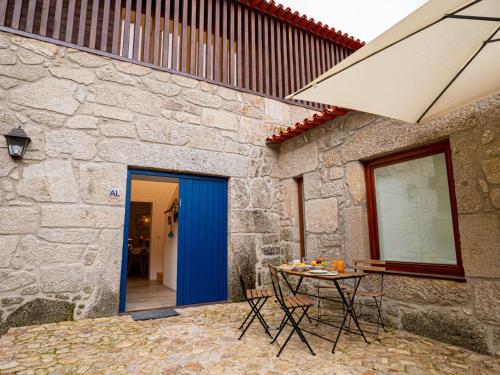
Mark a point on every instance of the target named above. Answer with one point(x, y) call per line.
point(203, 340)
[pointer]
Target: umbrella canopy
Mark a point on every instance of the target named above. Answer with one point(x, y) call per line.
point(443, 56)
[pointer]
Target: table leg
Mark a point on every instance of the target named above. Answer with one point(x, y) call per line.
point(349, 310)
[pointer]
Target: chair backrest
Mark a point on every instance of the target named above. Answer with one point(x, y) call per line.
point(273, 270)
point(373, 266)
point(369, 265)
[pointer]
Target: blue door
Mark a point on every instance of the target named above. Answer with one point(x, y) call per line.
point(202, 242)
point(202, 246)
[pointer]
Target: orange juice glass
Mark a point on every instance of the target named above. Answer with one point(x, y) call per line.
point(340, 265)
point(334, 265)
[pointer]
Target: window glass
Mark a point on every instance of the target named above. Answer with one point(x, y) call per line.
point(413, 211)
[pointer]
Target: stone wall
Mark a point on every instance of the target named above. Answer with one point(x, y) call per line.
point(89, 117)
point(330, 160)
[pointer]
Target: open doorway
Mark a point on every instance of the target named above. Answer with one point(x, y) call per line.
point(186, 257)
point(152, 243)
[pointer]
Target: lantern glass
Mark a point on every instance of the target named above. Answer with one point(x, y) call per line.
point(17, 143)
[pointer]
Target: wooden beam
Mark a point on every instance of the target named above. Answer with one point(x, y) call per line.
point(209, 60)
point(166, 35)
point(201, 39)
point(175, 36)
point(259, 69)
point(184, 36)
point(45, 17)
point(225, 56)
point(136, 52)
point(253, 46)
point(30, 19)
point(126, 28)
point(3, 11)
point(192, 44)
point(279, 65)
point(105, 26)
point(115, 48)
point(147, 33)
point(232, 49)
point(16, 14)
point(272, 52)
point(93, 24)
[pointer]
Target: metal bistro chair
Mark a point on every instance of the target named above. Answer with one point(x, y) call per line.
point(289, 304)
point(375, 267)
point(256, 298)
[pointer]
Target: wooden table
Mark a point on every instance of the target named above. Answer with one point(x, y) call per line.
point(346, 299)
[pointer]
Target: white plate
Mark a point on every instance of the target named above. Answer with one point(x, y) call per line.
point(318, 272)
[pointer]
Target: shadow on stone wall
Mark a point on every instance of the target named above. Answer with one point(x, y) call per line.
point(38, 311)
point(447, 327)
point(106, 304)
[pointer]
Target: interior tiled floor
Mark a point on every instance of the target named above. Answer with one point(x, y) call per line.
point(204, 340)
point(144, 294)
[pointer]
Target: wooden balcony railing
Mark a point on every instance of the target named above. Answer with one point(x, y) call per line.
point(252, 45)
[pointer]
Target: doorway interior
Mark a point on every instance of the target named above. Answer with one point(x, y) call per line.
point(152, 243)
point(186, 255)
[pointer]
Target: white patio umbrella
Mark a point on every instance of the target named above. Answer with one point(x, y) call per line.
point(443, 56)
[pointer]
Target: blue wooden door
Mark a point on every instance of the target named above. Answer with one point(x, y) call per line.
point(202, 245)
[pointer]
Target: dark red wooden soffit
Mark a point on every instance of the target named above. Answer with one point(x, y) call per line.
point(308, 123)
point(303, 21)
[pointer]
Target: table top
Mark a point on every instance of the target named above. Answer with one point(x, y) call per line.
point(339, 276)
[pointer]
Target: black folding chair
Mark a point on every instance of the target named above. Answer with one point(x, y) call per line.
point(256, 298)
point(376, 268)
point(289, 304)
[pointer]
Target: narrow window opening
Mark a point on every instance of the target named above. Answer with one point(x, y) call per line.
point(302, 232)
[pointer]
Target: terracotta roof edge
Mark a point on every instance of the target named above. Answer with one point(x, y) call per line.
point(303, 21)
point(305, 125)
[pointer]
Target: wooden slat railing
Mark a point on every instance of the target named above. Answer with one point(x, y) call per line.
point(226, 41)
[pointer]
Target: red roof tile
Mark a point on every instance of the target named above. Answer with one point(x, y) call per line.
point(308, 123)
point(302, 21)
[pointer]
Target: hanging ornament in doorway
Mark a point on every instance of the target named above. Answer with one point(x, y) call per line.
point(172, 217)
point(171, 222)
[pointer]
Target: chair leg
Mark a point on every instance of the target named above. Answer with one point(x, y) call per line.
point(284, 321)
point(318, 315)
point(255, 312)
point(248, 316)
point(343, 310)
point(283, 324)
point(297, 329)
point(259, 315)
point(379, 312)
point(248, 325)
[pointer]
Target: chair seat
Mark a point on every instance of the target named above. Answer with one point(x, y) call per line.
point(298, 301)
point(259, 293)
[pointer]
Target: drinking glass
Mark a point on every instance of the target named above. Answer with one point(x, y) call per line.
point(340, 265)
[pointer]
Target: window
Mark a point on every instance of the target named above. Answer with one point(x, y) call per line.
point(412, 212)
point(300, 195)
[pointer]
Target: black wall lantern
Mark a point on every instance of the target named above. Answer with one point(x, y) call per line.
point(17, 142)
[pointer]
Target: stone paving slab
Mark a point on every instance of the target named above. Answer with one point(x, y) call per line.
point(203, 340)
